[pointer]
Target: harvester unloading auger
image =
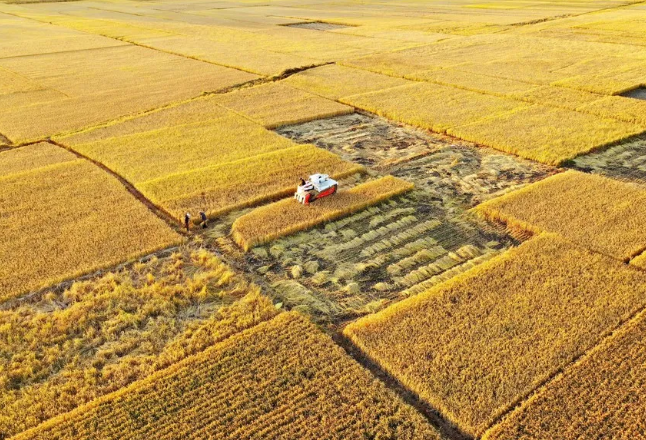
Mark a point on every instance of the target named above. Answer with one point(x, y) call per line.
point(320, 185)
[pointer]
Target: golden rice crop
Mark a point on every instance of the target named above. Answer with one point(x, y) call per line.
point(287, 216)
point(600, 396)
point(618, 107)
point(275, 104)
point(599, 213)
point(53, 218)
point(67, 348)
point(334, 81)
point(280, 379)
point(545, 134)
point(474, 346)
point(32, 157)
point(99, 85)
point(245, 182)
point(473, 81)
point(639, 261)
point(179, 148)
point(432, 106)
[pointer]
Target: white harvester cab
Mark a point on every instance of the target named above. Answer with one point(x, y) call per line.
point(323, 186)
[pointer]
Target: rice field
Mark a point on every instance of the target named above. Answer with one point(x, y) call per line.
point(302, 383)
point(608, 380)
point(67, 206)
point(482, 263)
point(495, 333)
point(73, 345)
point(594, 211)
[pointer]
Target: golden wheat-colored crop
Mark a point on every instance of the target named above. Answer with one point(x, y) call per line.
point(32, 157)
point(78, 219)
point(475, 345)
point(545, 134)
point(178, 147)
point(639, 261)
point(296, 382)
point(99, 85)
point(432, 106)
point(334, 81)
point(602, 395)
point(242, 183)
point(619, 107)
point(282, 218)
point(276, 104)
point(97, 336)
point(599, 213)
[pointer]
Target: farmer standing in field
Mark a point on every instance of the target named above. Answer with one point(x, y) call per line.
point(204, 219)
point(187, 219)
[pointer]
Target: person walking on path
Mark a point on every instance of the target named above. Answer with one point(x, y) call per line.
point(187, 221)
point(204, 219)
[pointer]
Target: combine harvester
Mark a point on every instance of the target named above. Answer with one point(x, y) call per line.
point(323, 187)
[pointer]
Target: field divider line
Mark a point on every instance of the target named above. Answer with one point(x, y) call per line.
point(159, 212)
point(523, 400)
point(433, 416)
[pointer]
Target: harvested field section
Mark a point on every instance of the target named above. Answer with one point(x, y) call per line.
point(274, 104)
point(282, 218)
point(626, 161)
point(457, 173)
point(67, 347)
point(593, 211)
point(334, 81)
point(243, 183)
point(98, 85)
point(362, 262)
point(54, 217)
point(600, 396)
point(297, 381)
point(474, 346)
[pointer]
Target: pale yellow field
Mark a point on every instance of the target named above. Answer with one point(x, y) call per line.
point(275, 104)
point(596, 212)
point(296, 381)
point(97, 85)
point(607, 381)
point(282, 218)
point(476, 345)
point(35, 156)
point(66, 219)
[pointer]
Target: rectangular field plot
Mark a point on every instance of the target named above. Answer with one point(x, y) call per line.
point(602, 395)
point(474, 346)
point(334, 81)
point(202, 156)
point(66, 347)
point(65, 219)
point(97, 85)
point(296, 382)
point(593, 211)
point(285, 217)
point(276, 104)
